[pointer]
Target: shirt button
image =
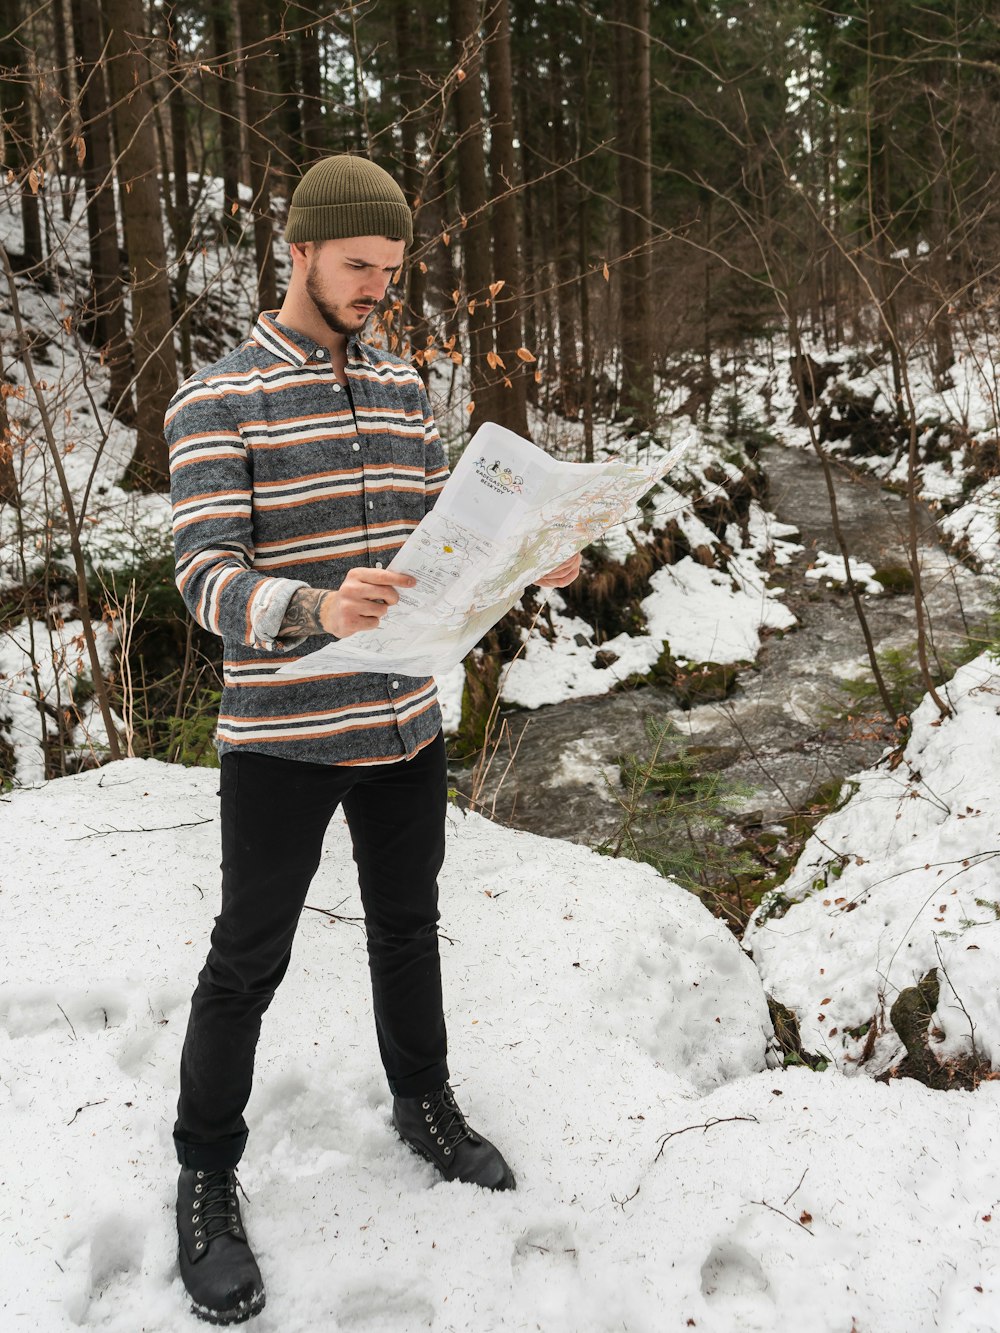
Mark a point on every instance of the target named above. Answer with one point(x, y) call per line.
point(320, 353)
point(336, 388)
point(355, 447)
point(371, 504)
point(378, 564)
point(395, 684)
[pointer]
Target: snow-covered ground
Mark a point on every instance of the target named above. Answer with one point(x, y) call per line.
point(605, 1030)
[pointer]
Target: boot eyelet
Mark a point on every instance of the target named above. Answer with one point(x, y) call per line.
point(197, 1189)
point(426, 1106)
point(194, 1220)
point(197, 1233)
point(200, 1245)
point(440, 1140)
point(428, 1118)
point(447, 1151)
point(201, 1175)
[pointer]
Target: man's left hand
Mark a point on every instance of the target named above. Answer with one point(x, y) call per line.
point(562, 574)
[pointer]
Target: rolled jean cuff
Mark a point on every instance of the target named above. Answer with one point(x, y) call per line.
point(223, 1155)
point(415, 1085)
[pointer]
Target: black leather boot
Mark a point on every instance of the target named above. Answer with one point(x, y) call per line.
point(217, 1264)
point(434, 1127)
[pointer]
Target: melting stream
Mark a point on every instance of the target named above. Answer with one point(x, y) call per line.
point(782, 732)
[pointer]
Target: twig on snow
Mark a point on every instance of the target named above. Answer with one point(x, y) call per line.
point(84, 1107)
point(709, 1124)
point(764, 1204)
point(159, 828)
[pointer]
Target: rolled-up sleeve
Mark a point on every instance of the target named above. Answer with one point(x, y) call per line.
point(211, 499)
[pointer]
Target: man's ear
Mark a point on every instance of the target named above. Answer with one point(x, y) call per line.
point(298, 251)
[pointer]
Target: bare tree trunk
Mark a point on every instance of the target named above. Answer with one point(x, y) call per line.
point(224, 84)
point(9, 494)
point(565, 247)
point(285, 112)
point(67, 166)
point(255, 84)
point(183, 213)
point(152, 320)
point(308, 38)
point(468, 103)
point(410, 97)
point(525, 92)
point(637, 391)
point(103, 323)
point(15, 113)
point(583, 260)
point(511, 401)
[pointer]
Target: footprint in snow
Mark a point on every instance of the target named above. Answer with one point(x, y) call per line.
point(116, 1246)
point(29, 1013)
point(732, 1273)
point(550, 1242)
point(379, 1307)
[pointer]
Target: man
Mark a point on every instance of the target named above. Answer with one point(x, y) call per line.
point(299, 464)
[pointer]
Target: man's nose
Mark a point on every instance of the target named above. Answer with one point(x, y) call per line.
point(375, 285)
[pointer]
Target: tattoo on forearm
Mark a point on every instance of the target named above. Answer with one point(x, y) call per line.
point(302, 615)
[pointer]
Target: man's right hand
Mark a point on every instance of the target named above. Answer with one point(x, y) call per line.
point(361, 600)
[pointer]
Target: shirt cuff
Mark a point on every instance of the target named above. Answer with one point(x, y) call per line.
point(268, 611)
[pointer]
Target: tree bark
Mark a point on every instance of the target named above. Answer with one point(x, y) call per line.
point(9, 494)
point(565, 246)
point(15, 113)
point(475, 236)
point(510, 398)
point(103, 322)
point(308, 38)
point(410, 97)
point(183, 213)
point(285, 109)
point(224, 85)
point(261, 151)
point(67, 166)
point(152, 321)
point(637, 390)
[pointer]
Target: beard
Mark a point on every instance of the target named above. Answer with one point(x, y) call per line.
point(336, 318)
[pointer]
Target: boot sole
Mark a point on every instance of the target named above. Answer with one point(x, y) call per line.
point(242, 1312)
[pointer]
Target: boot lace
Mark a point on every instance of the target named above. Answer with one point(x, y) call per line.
point(216, 1207)
point(445, 1119)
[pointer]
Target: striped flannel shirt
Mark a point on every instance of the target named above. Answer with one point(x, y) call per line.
point(276, 485)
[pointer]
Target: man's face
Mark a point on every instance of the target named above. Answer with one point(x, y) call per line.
point(346, 279)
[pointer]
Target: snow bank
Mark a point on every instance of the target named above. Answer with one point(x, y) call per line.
point(901, 879)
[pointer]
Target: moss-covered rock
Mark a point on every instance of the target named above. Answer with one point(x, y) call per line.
point(895, 579)
point(788, 1038)
point(705, 682)
point(911, 1018)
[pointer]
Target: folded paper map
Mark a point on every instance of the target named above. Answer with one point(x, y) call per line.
point(508, 514)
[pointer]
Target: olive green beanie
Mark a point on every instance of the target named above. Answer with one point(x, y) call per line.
point(347, 196)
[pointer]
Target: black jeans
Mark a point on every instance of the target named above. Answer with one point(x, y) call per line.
point(274, 815)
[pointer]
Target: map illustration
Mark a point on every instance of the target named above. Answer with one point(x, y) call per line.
point(508, 514)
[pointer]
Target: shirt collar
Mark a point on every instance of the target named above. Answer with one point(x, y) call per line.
point(292, 346)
